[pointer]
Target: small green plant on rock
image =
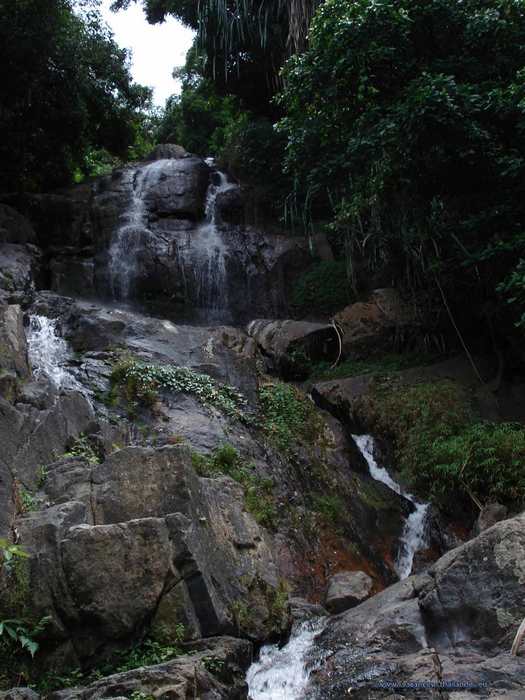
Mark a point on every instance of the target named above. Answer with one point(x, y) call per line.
point(81, 447)
point(258, 491)
point(142, 382)
point(289, 416)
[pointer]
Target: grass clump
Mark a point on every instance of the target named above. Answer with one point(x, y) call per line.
point(383, 365)
point(330, 507)
point(288, 416)
point(258, 492)
point(149, 653)
point(142, 382)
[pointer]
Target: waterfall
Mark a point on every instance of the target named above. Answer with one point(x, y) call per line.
point(413, 537)
point(282, 673)
point(49, 352)
point(202, 257)
point(128, 238)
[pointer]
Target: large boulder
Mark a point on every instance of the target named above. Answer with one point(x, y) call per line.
point(383, 322)
point(346, 590)
point(168, 150)
point(213, 668)
point(142, 542)
point(292, 345)
point(454, 624)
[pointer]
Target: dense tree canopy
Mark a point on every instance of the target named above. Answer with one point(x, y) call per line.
point(66, 90)
point(405, 121)
point(245, 42)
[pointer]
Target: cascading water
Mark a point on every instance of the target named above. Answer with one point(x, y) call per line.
point(128, 237)
point(202, 257)
point(282, 673)
point(413, 537)
point(49, 352)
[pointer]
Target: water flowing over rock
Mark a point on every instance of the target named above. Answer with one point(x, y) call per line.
point(282, 673)
point(413, 537)
point(49, 352)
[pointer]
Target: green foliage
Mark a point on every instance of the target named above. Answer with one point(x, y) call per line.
point(244, 43)
point(27, 500)
point(444, 452)
point(142, 382)
point(258, 492)
point(66, 92)
point(324, 288)
point(81, 447)
point(20, 634)
point(199, 117)
point(405, 122)
point(42, 475)
point(149, 653)
point(288, 416)
point(10, 553)
point(484, 461)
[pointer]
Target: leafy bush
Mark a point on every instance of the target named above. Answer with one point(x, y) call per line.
point(324, 288)
point(404, 123)
point(443, 452)
point(330, 506)
point(484, 461)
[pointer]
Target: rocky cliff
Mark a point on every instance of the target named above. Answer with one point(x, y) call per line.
point(168, 503)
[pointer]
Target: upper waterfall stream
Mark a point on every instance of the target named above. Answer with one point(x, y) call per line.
point(413, 537)
point(198, 250)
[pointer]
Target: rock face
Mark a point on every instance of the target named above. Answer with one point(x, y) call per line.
point(346, 590)
point(14, 228)
point(188, 245)
point(453, 624)
point(188, 549)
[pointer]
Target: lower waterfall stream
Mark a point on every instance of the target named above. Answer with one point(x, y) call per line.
point(413, 537)
point(49, 353)
point(281, 673)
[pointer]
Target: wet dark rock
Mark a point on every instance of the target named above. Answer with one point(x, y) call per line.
point(346, 590)
point(13, 344)
point(15, 228)
point(292, 345)
point(20, 267)
point(491, 514)
point(454, 623)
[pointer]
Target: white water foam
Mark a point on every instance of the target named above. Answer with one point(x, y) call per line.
point(128, 238)
point(203, 257)
point(49, 353)
point(413, 537)
point(282, 673)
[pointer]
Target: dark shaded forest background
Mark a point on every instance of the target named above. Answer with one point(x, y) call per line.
point(396, 128)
